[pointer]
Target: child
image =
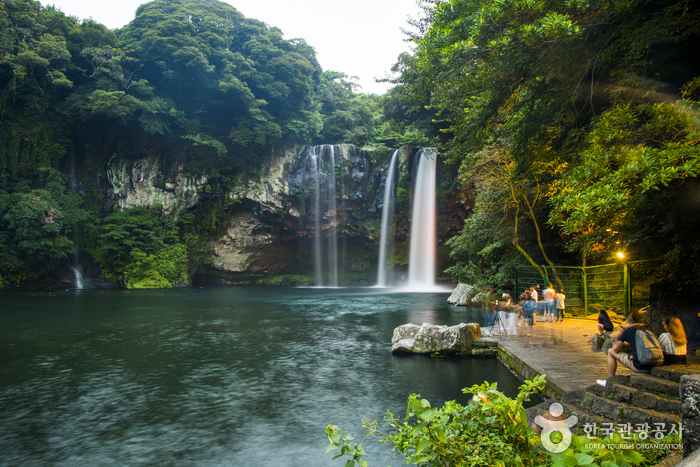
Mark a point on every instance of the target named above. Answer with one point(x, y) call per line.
point(560, 305)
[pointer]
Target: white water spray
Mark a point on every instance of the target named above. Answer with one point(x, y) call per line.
point(421, 264)
point(317, 217)
point(78, 278)
point(332, 230)
point(325, 189)
point(387, 220)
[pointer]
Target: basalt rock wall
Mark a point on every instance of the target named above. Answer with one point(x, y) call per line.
point(274, 226)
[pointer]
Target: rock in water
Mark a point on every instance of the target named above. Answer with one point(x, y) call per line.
point(460, 295)
point(405, 331)
point(430, 338)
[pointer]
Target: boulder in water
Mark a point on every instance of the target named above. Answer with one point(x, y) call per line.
point(405, 331)
point(430, 338)
point(460, 295)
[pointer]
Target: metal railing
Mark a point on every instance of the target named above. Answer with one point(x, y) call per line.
point(617, 287)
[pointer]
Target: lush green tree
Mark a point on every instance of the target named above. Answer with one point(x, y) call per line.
point(630, 150)
point(33, 64)
point(581, 96)
point(141, 249)
point(347, 116)
point(37, 225)
point(234, 78)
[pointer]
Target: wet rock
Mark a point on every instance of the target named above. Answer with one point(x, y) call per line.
point(460, 295)
point(690, 413)
point(405, 331)
point(430, 338)
point(150, 181)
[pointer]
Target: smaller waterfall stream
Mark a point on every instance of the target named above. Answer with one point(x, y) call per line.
point(387, 220)
point(78, 278)
point(421, 263)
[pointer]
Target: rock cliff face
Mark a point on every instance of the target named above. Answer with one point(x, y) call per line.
point(147, 182)
point(280, 209)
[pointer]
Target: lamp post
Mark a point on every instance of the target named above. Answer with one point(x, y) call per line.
point(625, 282)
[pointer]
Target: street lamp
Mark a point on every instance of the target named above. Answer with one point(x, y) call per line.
point(626, 294)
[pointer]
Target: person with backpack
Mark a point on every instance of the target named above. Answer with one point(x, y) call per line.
point(646, 351)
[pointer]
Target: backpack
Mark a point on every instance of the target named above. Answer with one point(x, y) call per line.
point(649, 350)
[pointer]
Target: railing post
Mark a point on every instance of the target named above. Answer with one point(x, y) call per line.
point(625, 286)
point(585, 291)
point(515, 284)
point(546, 276)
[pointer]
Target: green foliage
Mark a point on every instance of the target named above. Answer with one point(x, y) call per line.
point(348, 117)
point(140, 249)
point(563, 106)
point(37, 224)
point(405, 121)
point(630, 150)
point(490, 431)
point(286, 280)
point(585, 451)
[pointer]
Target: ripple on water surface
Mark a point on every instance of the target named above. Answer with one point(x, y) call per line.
point(215, 376)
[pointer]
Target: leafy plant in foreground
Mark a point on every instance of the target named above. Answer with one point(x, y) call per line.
point(491, 430)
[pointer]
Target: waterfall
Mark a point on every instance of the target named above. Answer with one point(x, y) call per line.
point(387, 219)
point(78, 278)
point(317, 217)
point(325, 184)
point(332, 217)
point(421, 263)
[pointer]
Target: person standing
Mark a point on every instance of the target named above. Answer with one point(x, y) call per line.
point(529, 307)
point(560, 304)
point(548, 296)
point(512, 319)
point(534, 297)
point(673, 342)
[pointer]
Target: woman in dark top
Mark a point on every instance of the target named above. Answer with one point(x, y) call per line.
point(604, 323)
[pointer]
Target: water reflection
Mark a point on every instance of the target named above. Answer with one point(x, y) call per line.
point(236, 376)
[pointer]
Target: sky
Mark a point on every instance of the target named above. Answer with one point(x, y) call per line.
point(360, 38)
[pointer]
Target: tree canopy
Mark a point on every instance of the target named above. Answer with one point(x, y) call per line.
point(589, 106)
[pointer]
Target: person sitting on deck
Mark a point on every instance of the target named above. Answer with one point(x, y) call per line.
point(631, 361)
point(604, 323)
point(674, 342)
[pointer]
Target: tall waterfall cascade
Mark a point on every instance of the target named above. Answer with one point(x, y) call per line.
point(387, 219)
point(332, 222)
point(322, 160)
point(421, 264)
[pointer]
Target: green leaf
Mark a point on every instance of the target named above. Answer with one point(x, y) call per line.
point(422, 445)
point(331, 447)
point(583, 459)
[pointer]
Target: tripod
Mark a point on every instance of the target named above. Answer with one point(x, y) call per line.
point(498, 323)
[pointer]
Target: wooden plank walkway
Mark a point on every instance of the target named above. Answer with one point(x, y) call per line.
point(562, 351)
